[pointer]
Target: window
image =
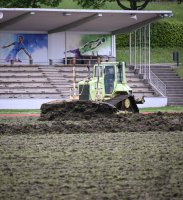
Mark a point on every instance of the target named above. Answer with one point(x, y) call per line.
point(119, 73)
point(109, 79)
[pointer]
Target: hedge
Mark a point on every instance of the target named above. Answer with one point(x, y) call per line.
point(163, 34)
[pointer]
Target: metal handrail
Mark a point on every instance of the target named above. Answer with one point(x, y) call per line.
point(158, 84)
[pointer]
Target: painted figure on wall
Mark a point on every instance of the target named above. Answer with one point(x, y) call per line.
point(17, 47)
point(89, 46)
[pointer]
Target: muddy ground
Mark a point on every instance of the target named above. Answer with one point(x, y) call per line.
point(112, 156)
point(101, 124)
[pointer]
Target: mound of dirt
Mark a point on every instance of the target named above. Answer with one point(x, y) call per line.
point(56, 110)
point(161, 122)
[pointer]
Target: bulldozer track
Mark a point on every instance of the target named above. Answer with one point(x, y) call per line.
point(114, 101)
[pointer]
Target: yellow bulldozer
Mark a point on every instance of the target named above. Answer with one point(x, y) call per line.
point(107, 88)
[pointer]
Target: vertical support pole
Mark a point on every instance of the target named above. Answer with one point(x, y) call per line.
point(149, 53)
point(130, 49)
point(65, 48)
point(113, 53)
point(140, 38)
point(98, 78)
point(74, 76)
point(145, 67)
point(135, 49)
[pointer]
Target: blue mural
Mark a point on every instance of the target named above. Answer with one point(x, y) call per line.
point(23, 47)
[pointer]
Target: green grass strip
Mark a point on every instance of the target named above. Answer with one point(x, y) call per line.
point(12, 111)
point(163, 109)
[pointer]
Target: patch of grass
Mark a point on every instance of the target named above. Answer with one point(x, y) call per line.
point(163, 109)
point(158, 55)
point(179, 71)
point(12, 111)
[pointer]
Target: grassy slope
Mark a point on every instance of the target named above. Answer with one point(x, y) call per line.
point(158, 55)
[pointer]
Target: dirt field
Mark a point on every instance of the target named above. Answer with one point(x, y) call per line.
point(129, 156)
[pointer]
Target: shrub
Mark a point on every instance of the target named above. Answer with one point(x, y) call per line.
point(163, 34)
point(166, 34)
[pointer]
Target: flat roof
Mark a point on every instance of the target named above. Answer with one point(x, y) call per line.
point(61, 20)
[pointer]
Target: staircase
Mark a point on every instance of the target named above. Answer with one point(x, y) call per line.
point(139, 87)
point(174, 85)
point(24, 82)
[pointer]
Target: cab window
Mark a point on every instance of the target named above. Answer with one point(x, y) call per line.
point(119, 73)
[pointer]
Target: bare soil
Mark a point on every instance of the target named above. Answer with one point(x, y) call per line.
point(94, 156)
point(98, 123)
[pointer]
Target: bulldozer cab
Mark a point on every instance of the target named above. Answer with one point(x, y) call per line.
point(112, 74)
point(108, 81)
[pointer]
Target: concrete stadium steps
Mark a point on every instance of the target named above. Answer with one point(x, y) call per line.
point(18, 81)
point(175, 91)
point(20, 76)
point(20, 68)
point(172, 87)
point(142, 89)
point(173, 83)
point(141, 94)
point(169, 74)
point(35, 96)
point(28, 90)
point(137, 84)
point(10, 73)
point(54, 81)
point(25, 84)
point(23, 79)
point(139, 87)
point(57, 79)
point(175, 100)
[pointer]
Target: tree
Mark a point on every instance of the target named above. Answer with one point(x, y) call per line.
point(133, 4)
point(28, 3)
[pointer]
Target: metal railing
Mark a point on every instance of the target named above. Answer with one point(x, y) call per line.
point(157, 84)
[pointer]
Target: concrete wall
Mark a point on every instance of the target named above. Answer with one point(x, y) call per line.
point(36, 103)
point(56, 46)
point(154, 102)
point(22, 103)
